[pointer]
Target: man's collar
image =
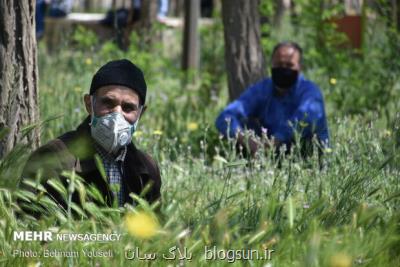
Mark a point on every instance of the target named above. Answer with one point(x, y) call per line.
point(84, 127)
point(120, 156)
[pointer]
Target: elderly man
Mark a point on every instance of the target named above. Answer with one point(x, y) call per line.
point(278, 106)
point(115, 103)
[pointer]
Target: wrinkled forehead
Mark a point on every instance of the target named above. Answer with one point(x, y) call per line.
point(117, 92)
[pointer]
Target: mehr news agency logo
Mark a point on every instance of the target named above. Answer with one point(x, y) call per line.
point(50, 236)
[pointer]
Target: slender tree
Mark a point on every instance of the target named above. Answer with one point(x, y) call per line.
point(18, 73)
point(244, 58)
point(396, 13)
point(280, 8)
point(148, 16)
point(190, 57)
point(176, 7)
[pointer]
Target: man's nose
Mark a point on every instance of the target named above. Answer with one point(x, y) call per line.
point(117, 108)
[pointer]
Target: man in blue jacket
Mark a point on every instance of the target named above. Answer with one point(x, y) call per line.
point(278, 106)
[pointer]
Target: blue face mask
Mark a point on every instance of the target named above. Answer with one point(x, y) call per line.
point(112, 131)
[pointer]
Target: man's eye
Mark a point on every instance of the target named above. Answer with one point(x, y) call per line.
point(130, 108)
point(107, 102)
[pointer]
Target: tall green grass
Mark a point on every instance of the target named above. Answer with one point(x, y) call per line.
point(307, 215)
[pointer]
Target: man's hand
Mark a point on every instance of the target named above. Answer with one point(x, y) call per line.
point(248, 142)
point(253, 144)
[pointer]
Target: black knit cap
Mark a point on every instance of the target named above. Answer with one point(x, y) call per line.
point(120, 72)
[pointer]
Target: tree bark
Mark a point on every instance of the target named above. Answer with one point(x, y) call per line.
point(191, 57)
point(396, 14)
point(244, 58)
point(88, 5)
point(18, 73)
point(176, 7)
point(280, 9)
point(148, 15)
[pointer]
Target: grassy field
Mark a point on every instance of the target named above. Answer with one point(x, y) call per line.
point(288, 211)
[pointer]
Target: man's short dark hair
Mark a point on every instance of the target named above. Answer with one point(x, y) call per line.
point(291, 44)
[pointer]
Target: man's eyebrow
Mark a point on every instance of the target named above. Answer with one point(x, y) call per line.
point(107, 97)
point(113, 98)
point(130, 103)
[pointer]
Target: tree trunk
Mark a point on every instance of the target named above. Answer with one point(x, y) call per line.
point(280, 8)
point(18, 73)
point(148, 15)
point(244, 58)
point(191, 57)
point(176, 7)
point(87, 5)
point(396, 14)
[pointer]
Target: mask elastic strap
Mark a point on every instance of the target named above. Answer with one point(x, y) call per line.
point(135, 124)
point(92, 102)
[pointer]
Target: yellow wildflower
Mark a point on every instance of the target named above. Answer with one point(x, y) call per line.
point(33, 264)
point(270, 243)
point(137, 133)
point(192, 126)
point(88, 61)
point(340, 260)
point(332, 81)
point(78, 89)
point(142, 225)
point(387, 133)
point(157, 132)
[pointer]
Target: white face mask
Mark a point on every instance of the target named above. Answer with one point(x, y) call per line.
point(112, 131)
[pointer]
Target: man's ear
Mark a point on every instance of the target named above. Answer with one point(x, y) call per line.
point(88, 103)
